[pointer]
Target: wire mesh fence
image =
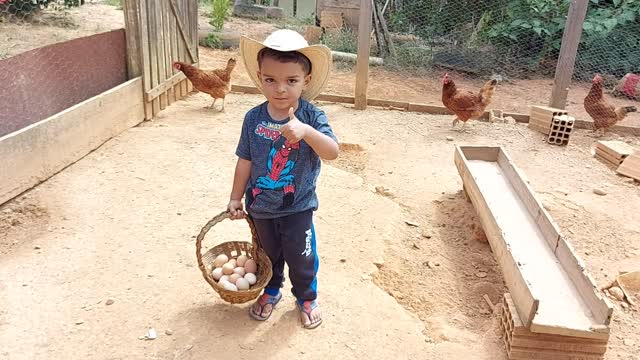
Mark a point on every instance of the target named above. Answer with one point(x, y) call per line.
point(30, 24)
point(56, 54)
point(516, 42)
point(609, 53)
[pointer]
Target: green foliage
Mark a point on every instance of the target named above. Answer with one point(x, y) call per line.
point(219, 13)
point(344, 40)
point(526, 34)
point(211, 41)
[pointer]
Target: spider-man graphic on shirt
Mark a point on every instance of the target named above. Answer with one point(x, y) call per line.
point(282, 158)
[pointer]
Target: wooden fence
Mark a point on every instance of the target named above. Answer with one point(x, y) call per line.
point(160, 32)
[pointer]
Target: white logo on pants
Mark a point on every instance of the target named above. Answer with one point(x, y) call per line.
point(307, 246)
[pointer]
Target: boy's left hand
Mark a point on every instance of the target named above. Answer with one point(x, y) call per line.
point(295, 130)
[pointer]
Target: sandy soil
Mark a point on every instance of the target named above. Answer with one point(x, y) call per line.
point(120, 225)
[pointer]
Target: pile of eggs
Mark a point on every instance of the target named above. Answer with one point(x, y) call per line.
point(236, 274)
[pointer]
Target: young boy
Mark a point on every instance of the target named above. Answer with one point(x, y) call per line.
point(279, 154)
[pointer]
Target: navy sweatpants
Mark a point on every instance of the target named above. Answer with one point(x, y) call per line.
point(291, 239)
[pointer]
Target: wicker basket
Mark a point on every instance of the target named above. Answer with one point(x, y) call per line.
point(234, 249)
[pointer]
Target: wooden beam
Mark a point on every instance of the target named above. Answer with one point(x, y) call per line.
point(145, 56)
point(164, 86)
point(183, 32)
point(552, 292)
point(568, 51)
point(37, 152)
point(132, 30)
point(437, 109)
point(364, 48)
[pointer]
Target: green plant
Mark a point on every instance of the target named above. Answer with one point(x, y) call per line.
point(343, 39)
point(211, 41)
point(116, 3)
point(219, 13)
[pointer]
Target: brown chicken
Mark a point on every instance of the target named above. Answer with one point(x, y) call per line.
point(604, 115)
point(216, 83)
point(465, 104)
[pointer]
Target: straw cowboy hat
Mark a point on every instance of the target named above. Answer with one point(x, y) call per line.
point(289, 40)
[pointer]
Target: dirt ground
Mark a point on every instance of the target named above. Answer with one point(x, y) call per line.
point(120, 224)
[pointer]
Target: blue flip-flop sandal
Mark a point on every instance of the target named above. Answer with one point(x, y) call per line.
point(263, 300)
point(306, 308)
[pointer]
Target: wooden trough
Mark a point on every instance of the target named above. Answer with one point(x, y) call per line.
point(549, 285)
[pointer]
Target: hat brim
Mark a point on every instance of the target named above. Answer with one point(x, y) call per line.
point(319, 55)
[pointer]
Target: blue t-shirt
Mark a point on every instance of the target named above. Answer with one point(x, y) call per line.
point(283, 175)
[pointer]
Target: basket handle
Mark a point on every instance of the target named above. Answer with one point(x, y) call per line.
point(255, 242)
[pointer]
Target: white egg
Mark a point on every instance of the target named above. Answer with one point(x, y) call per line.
point(251, 278)
point(234, 262)
point(242, 284)
point(229, 286)
point(227, 269)
point(224, 278)
point(242, 259)
point(217, 274)
point(220, 260)
point(250, 266)
point(239, 270)
point(234, 277)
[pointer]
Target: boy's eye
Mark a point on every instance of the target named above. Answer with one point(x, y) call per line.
point(269, 80)
point(293, 81)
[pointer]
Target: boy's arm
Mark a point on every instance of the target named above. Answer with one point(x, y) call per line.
point(322, 144)
point(240, 179)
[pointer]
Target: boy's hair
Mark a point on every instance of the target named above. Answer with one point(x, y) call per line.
point(285, 57)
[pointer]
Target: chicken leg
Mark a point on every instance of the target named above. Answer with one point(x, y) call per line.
point(455, 121)
point(213, 103)
point(222, 108)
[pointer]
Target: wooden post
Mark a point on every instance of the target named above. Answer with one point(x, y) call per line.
point(364, 47)
point(568, 51)
point(132, 30)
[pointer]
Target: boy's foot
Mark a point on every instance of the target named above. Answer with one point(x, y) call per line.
point(263, 307)
point(310, 315)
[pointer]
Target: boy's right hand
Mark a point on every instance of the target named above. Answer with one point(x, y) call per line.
point(235, 208)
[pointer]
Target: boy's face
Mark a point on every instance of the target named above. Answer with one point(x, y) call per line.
point(282, 82)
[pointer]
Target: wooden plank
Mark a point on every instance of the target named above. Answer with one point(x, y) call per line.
point(183, 30)
point(194, 29)
point(174, 93)
point(568, 50)
point(548, 227)
point(524, 240)
point(184, 56)
point(145, 55)
point(336, 98)
point(37, 152)
point(526, 304)
point(388, 103)
point(630, 167)
point(153, 50)
point(362, 63)
point(577, 271)
point(166, 26)
point(511, 322)
point(516, 353)
point(617, 149)
point(162, 66)
point(166, 85)
point(605, 158)
point(132, 30)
